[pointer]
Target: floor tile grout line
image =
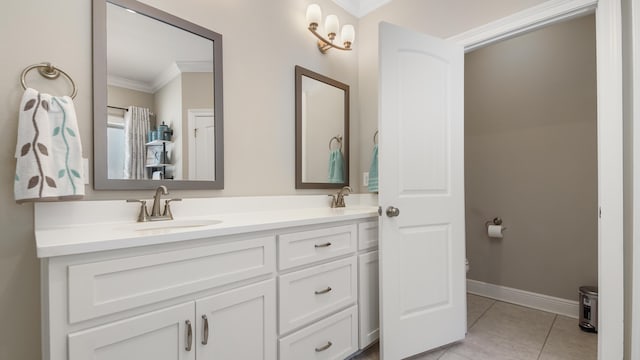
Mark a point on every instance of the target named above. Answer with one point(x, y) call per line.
point(472, 325)
point(547, 337)
point(481, 315)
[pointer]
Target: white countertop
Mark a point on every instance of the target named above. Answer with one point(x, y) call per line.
point(72, 228)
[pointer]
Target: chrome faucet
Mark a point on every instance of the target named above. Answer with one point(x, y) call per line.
point(144, 216)
point(337, 200)
point(155, 209)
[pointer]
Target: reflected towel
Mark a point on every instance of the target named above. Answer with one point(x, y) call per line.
point(336, 167)
point(49, 151)
point(373, 170)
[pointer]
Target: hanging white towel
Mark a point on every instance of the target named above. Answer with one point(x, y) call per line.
point(48, 151)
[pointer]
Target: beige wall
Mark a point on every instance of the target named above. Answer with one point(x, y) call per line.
point(530, 158)
point(259, 58)
point(197, 93)
point(122, 97)
point(441, 18)
point(262, 43)
point(168, 101)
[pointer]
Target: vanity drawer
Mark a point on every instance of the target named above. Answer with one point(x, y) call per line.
point(306, 247)
point(335, 337)
point(311, 294)
point(106, 287)
point(367, 235)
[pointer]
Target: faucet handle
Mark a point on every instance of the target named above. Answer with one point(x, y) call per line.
point(167, 208)
point(144, 212)
point(334, 201)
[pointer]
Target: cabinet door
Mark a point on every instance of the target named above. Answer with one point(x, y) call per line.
point(367, 235)
point(238, 324)
point(158, 335)
point(369, 324)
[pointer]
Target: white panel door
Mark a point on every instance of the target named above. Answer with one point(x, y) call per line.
point(158, 335)
point(201, 145)
point(238, 324)
point(422, 276)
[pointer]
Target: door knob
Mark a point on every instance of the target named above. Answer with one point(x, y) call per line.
point(393, 211)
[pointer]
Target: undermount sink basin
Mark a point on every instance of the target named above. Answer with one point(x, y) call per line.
point(171, 224)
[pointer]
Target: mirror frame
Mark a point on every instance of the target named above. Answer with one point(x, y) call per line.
point(300, 72)
point(101, 180)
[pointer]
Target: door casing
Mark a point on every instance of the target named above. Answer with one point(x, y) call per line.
point(610, 142)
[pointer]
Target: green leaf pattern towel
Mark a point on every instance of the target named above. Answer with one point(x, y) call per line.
point(48, 151)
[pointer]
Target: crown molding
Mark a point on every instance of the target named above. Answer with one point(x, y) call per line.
point(129, 84)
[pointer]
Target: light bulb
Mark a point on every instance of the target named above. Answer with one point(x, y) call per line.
point(314, 15)
point(348, 35)
point(331, 26)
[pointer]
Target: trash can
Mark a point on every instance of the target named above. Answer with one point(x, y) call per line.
point(588, 302)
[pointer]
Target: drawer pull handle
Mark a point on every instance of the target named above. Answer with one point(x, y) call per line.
point(323, 291)
point(205, 331)
point(324, 347)
point(189, 335)
point(327, 244)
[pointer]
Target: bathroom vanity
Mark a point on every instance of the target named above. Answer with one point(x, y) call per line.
point(290, 279)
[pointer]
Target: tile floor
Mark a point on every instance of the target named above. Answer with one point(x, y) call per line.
point(502, 331)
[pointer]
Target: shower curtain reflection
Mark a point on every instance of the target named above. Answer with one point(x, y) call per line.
point(136, 127)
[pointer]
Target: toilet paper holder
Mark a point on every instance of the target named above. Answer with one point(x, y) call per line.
point(495, 221)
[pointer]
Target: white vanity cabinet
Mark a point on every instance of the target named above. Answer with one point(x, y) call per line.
point(237, 324)
point(295, 292)
point(208, 328)
point(200, 299)
point(369, 324)
point(328, 304)
point(156, 335)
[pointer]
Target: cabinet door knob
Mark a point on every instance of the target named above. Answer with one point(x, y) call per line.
point(205, 330)
point(189, 335)
point(324, 347)
point(323, 291)
point(393, 211)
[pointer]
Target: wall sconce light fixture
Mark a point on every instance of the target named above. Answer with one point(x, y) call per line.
point(331, 26)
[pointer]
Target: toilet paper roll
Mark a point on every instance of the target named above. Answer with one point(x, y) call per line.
point(495, 231)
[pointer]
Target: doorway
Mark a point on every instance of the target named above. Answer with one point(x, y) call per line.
point(531, 160)
point(610, 149)
point(201, 144)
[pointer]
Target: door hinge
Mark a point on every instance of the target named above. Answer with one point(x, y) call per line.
point(599, 212)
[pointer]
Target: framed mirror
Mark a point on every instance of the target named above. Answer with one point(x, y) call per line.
point(157, 94)
point(322, 131)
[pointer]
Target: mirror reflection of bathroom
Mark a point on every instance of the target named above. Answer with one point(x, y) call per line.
point(160, 100)
point(322, 124)
point(371, 177)
point(322, 131)
point(530, 158)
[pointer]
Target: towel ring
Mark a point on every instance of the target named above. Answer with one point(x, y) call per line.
point(337, 138)
point(50, 72)
point(375, 138)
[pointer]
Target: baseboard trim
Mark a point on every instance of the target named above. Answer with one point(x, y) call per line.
point(525, 298)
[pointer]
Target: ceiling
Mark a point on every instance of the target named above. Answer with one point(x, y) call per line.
point(360, 8)
point(143, 53)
